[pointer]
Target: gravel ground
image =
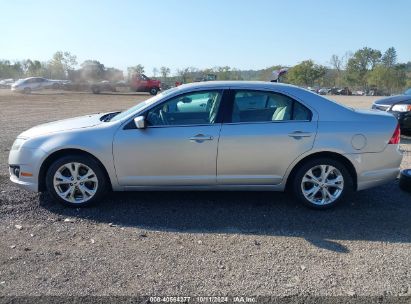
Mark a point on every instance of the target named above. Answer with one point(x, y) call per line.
point(193, 243)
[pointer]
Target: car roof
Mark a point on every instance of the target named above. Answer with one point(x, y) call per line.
point(235, 84)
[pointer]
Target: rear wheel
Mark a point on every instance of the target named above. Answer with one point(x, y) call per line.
point(322, 183)
point(76, 181)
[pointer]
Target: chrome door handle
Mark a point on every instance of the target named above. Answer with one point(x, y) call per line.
point(201, 137)
point(299, 134)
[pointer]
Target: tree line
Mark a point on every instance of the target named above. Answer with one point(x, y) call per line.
point(364, 69)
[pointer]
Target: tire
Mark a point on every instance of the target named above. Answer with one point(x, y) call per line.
point(27, 90)
point(64, 181)
point(153, 91)
point(55, 86)
point(405, 180)
point(95, 89)
point(318, 193)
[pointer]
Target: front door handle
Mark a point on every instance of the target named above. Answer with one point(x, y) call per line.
point(299, 134)
point(201, 137)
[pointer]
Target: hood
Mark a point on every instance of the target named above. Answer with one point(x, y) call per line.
point(63, 125)
point(394, 99)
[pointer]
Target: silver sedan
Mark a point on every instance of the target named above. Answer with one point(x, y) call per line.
point(213, 136)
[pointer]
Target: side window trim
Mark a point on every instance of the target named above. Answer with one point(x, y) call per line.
point(230, 105)
point(129, 125)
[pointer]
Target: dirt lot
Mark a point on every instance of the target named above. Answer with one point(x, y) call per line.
point(193, 243)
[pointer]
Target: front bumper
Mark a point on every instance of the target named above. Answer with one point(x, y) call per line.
point(29, 161)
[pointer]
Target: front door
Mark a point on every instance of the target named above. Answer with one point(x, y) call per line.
point(266, 132)
point(178, 147)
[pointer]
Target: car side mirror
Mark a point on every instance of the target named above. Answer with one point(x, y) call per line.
point(140, 122)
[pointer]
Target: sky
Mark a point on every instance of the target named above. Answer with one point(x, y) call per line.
point(181, 33)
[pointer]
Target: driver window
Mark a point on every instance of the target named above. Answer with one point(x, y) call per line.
point(189, 109)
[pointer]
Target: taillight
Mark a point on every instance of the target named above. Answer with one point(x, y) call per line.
point(395, 139)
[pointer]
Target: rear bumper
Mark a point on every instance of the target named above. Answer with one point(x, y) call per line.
point(374, 169)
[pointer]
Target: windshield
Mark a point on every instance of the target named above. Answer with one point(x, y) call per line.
point(408, 92)
point(141, 105)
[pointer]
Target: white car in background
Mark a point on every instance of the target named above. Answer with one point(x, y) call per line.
point(6, 83)
point(35, 83)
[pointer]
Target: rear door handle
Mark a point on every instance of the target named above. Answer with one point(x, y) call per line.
point(201, 137)
point(299, 134)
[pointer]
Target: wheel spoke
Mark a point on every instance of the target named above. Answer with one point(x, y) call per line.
point(336, 182)
point(309, 177)
point(312, 192)
point(60, 179)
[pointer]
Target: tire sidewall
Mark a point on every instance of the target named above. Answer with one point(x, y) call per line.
point(296, 183)
point(153, 91)
point(90, 162)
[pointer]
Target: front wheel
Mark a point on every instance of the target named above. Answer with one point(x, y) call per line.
point(95, 89)
point(76, 181)
point(322, 183)
point(27, 90)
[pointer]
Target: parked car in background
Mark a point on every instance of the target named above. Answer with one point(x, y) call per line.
point(142, 83)
point(358, 93)
point(399, 106)
point(333, 91)
point(6, 83)
point(345, 91)
point(268, 136)
point(35, 83)
point(101, 86)
point(323, 91)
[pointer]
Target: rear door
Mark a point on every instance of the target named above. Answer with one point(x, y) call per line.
point(263, 133)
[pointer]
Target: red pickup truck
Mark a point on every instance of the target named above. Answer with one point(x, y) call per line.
point(141, 83)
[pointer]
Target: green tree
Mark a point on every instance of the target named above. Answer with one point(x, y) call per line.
point(306, 73)
point(389, 59)
point(155, 72)
point(11, 70)
point(137, 69)
point(92, 70)
point(360, 64)
point(164, 71)
point(61, 64)
point(386, 78)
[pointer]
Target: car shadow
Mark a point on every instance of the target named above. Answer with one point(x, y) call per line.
point(381, 214)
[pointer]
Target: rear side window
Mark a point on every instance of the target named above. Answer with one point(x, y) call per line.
point(255, 106)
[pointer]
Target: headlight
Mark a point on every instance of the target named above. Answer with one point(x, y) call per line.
point(18, 143)
point(401, 108)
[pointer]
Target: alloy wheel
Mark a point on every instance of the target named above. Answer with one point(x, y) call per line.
point(75, 182)
point(322, 185)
